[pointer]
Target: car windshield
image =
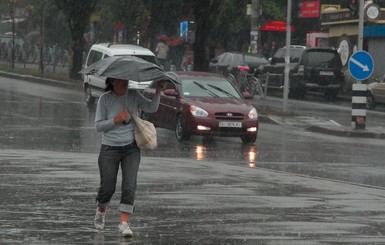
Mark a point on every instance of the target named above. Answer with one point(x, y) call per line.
point(279, 56)
point(203, 87)
point(146, 58)
point(317, 58)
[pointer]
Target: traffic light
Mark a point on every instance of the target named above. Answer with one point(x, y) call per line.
point(353, 6)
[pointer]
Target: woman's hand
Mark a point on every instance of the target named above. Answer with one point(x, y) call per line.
point(121, 117)
point(160, 86)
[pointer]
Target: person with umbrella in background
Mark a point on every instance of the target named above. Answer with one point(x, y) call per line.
point(161, 51)
point(113, 118)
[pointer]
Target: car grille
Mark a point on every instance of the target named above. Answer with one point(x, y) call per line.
point(229, 116)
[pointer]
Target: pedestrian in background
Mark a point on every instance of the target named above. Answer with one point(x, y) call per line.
point(161, 52)
point(113, 119)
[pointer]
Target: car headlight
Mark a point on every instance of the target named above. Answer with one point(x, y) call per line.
point(253, 114)
point(198, 112)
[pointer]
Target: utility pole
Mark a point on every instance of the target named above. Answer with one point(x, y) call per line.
point(254, 25)
point(287, 57)
point(359, 90)
point(12, 10)
point(41, 61)
point(361, 6)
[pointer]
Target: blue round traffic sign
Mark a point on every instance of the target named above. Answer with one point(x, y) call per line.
point(361, 65)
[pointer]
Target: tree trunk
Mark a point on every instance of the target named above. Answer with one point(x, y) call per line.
point(77, 58)
point(205, 12)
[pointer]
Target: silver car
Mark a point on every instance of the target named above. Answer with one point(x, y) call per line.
point(376, 93)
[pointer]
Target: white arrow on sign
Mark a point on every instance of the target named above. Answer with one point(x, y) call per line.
point(364, 67)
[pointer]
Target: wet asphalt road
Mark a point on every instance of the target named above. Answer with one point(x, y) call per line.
point(49, 200)
point(291, 187)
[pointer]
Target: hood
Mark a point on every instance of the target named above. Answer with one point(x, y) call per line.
point(213, 105)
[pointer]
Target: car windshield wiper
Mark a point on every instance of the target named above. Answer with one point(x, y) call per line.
point(222, 90)
point(205, 89)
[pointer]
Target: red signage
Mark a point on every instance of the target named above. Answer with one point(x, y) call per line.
point(310, 9)
point(275, 25)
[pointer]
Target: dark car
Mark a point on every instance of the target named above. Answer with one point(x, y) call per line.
point(319, 70)
point(205, 104)
point(232, 62)
point(277, 65)
point(311, 70)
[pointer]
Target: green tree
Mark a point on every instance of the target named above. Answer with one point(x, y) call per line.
point(78, 14)
point(206, 13)
point(133, 14)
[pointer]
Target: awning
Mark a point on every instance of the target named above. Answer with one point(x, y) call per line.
point(275, 25)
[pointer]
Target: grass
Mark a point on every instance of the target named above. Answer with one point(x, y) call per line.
point(60, 76)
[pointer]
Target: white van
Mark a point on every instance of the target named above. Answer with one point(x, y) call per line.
point(93, 86)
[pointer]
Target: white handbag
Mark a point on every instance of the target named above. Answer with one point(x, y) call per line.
point(145, 134)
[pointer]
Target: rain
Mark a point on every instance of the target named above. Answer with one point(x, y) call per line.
point(314, 175)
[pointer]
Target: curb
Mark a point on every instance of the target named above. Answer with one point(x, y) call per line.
point(344, 131)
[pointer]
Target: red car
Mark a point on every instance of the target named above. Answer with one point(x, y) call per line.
point(205, 104)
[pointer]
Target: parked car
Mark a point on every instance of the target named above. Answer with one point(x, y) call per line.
point(311, 70)
point(376, 92)
point(93, 86)
point(276, 67)
point(319, 70)
point(232, 62)
point(205, 104)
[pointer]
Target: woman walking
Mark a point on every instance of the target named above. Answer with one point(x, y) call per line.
point(113, 119)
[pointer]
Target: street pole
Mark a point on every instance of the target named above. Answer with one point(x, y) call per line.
point(360, 24)
point(41, 61)
point(254, 26)
point(287, 57)
point(359, 90)
point(13, 2)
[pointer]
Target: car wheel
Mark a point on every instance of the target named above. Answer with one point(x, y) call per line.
point(249, 138)
point(181, 129)
point(370, 102)
point(90, 100)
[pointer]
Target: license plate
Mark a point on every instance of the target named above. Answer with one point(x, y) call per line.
point(326, 73)
point(230, 124)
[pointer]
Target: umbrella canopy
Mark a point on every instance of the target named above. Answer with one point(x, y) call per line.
point(162, 37)
point(173, 42)
point(127, 68)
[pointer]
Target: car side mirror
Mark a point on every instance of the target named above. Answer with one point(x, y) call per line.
point(170, 92)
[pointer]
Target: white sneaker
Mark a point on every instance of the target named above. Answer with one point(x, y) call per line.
point(99, 220)
point(125, 230)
